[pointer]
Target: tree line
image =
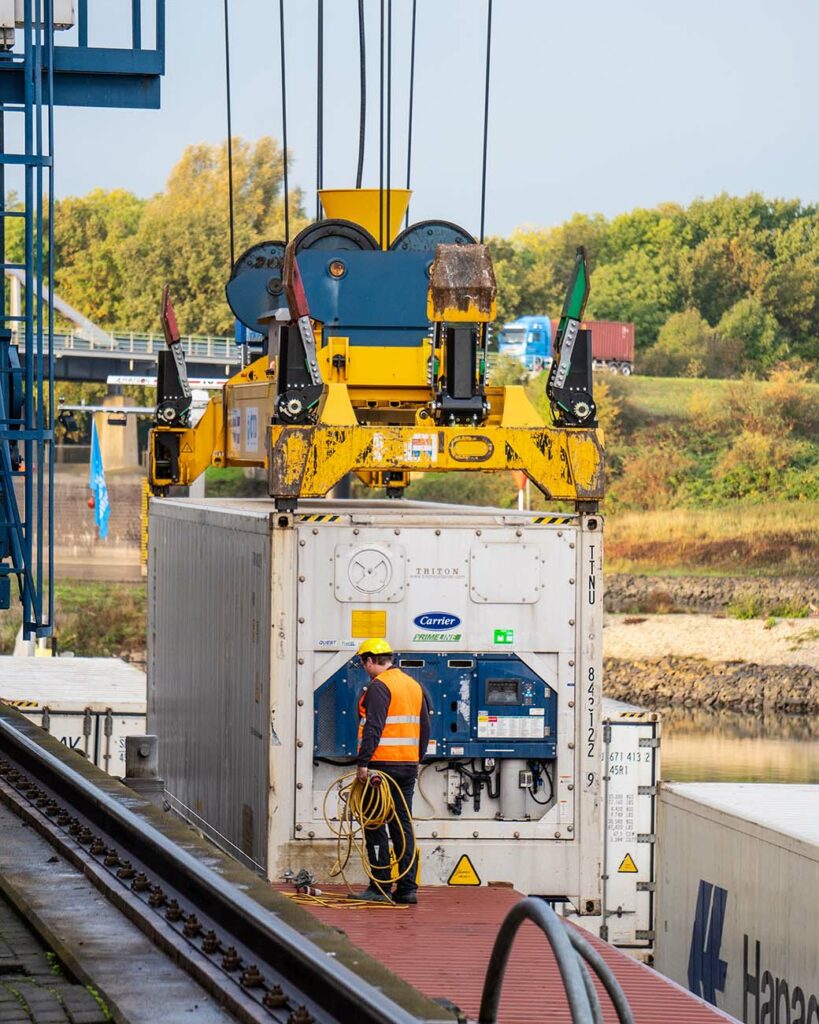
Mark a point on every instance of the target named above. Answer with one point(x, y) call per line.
point(722, 287)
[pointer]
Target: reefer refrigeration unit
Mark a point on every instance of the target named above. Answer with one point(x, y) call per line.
point(254, 618)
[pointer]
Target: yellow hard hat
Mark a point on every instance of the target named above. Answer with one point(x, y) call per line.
point(375, 645)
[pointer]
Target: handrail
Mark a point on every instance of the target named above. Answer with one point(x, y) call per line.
point(128, 344)
point(572, 953)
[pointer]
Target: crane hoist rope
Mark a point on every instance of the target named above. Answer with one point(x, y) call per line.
point(374, 356)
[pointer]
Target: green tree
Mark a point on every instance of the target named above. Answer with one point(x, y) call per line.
point(183, 239)
point(91, 270)
point(508, 370)
point(533, 268)
point(720, 271)
point(751, 326)
point(635, 288)
point(682, 340)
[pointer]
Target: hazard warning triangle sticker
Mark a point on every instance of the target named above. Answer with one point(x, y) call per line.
point(627, 866)
point(464, 873)
point(187, 449)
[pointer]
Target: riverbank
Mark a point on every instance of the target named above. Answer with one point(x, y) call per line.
point(692, 683)
point(743, 596)
point(708, 661)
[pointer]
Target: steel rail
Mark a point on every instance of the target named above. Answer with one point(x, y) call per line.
point(317, 978)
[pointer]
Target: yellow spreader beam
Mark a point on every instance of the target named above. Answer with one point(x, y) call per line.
point(307, 461)
point(385, 411)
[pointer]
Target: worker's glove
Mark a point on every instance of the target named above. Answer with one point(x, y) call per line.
point(361, 773)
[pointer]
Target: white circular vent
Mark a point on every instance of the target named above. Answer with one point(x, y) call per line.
point(369, 570)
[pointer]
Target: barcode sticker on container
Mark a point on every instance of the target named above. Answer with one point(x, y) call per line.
point(510, 727)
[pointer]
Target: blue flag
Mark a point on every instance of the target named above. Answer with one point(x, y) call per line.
point(97, 484)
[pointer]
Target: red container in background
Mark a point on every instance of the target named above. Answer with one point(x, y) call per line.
point(612, 340)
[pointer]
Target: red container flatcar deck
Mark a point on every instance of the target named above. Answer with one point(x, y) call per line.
point(442, 947)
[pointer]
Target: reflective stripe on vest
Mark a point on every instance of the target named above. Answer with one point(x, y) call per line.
point(401, 737)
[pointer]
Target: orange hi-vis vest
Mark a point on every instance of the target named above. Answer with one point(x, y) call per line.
point(401, 737)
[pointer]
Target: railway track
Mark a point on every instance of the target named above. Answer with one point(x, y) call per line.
point(194, 903)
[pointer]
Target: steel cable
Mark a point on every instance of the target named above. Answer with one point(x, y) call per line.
point(486, 114)
point(362, 115)
point(229, 139)
point(388, 238)
point(411, 100)
point(284, 126)
point(319, 104)
point(381, 135)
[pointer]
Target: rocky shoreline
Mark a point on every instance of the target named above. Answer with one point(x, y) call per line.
point(678, 682)
point(634, 595)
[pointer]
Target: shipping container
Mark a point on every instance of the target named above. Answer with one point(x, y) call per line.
point(631, 754)
point(612, 341)
point(254, 619)
point(738, 897)
point(631, 750)
point(89, 704)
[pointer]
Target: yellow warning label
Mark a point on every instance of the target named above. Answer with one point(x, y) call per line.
point(627, 866)
point(464, 873)
point(187, 449)
point(368, 623)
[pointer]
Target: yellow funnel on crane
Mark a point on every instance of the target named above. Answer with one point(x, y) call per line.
point(360, 205)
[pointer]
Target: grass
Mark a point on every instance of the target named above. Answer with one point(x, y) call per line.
point(754, 606)
point(766, 539)
point(670, 397)
point(664, 397)
point(93, 619)
point(807, 636)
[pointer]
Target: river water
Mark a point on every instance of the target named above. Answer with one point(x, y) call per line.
point(705, 746)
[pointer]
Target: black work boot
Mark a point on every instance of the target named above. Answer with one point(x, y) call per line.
point(373, 895)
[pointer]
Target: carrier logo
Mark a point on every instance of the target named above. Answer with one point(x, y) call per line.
point(706, 972)
point(436, 621)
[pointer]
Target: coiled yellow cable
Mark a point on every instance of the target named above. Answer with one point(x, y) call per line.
point(360, 806)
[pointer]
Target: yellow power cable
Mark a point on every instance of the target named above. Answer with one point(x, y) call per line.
point(360, 806)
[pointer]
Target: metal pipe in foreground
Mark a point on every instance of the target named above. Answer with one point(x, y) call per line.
point(570, 951)
point(568, 961)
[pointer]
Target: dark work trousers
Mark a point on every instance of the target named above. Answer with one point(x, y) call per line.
point(402, 778)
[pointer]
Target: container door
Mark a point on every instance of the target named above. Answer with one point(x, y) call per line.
point(631, 749)
point(115, 728)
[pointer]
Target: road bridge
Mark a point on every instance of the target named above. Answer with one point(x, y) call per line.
point(79, 356)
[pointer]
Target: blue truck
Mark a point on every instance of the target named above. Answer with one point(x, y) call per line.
point(529, 339)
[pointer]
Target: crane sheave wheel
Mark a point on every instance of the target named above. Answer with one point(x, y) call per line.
point(426, 235)
point(256, 286)
point(334, 235)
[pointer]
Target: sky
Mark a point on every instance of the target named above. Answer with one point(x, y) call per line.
point(598, 106)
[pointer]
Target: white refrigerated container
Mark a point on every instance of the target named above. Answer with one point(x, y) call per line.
point(252, 611)
point(738, 897)
point(89, 704)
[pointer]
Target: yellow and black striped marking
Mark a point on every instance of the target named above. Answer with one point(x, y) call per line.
point(318, 518)
point(20, 703)
point(552, 520)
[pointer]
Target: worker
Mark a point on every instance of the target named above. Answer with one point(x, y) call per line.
point(393, 737)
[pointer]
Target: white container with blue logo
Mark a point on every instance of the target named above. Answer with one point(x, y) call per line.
point(738, 897)
point(254, 686)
